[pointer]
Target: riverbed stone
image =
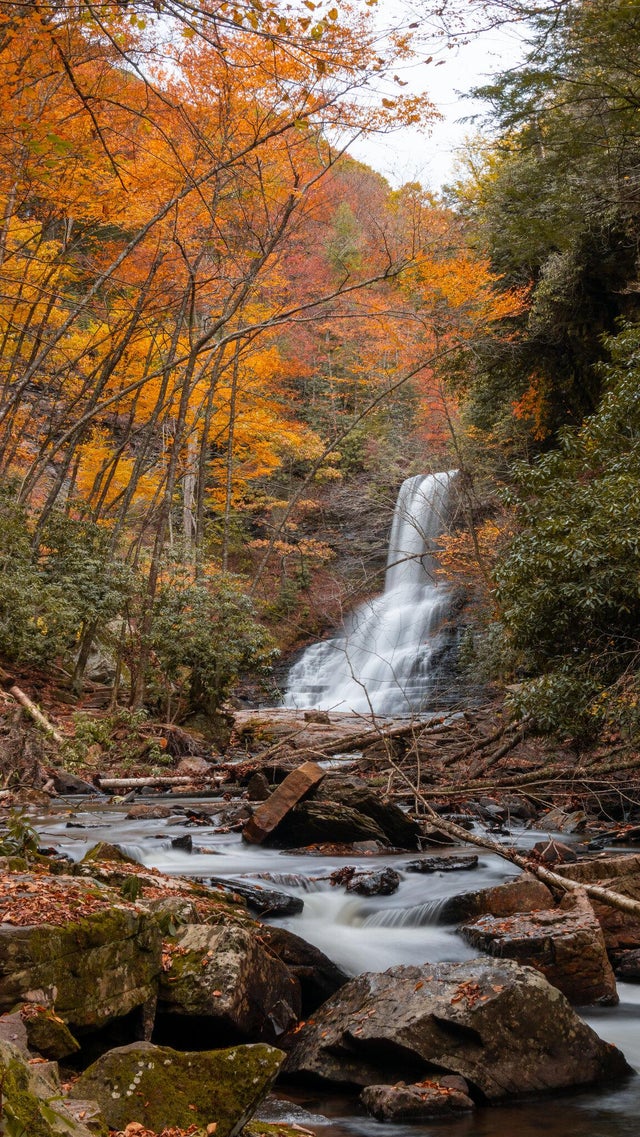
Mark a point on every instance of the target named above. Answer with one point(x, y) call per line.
point(93, 970)
point(221, 981)
point(418, 1102)
point(260, 899)
point(159, 1087)
point(268, 816)
point(523, 894)
point(565, 944)
point(500, 1026)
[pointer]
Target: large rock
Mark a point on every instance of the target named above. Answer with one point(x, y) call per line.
point(565, 944)
point(327, 822)
point(223, 978)
point(259, 899)
point(160, 1087)
point(524, 894)
point(355, 793)
point(501, 1026)
point(32, 1104)
point(94, 969)
point(319, 977)
point(620, 874)
point(269, 815)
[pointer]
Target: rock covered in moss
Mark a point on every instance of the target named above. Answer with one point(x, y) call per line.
point(47, 1032)
point(159, 1087)
point(31, 1104)
point(223, 975)
point(93, 969)
point(105, 851)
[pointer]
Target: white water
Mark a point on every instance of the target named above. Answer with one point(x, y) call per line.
point(384, 659)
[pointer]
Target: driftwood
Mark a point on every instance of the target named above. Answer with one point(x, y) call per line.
point(36, 714)
point(596, 892)
point(137, 783)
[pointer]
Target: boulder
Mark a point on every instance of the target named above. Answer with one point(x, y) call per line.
point(263, 901)
point(500, 1026)
point(557, 820)
point(31, 1102)
point(319, 977)
point(143, 812)
point(326, 822)
point(271, 812)
point(523, 894)
point(194, 767)
point(565, 944)
point(399, 830)
point(224, 979)
point(65, 782)
point(418, 1102)
point(552, 852)
point(160, 1087)
point(628, 965)
point(94, 969)
point(258, 787)
point(372, 882)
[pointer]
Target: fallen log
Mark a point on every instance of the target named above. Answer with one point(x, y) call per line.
point(595, 892)
point(36, 714)
point(138, 783)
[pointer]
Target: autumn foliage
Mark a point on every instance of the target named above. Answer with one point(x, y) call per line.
point(199, 288)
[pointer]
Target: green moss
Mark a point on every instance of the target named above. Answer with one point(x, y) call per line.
point(160, 1087)
point(29, 1107)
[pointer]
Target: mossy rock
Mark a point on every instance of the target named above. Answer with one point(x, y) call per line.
point(31, 1107)
point(96, 968)
point(105, 851)
point(48, 1033)
point(160, 1087)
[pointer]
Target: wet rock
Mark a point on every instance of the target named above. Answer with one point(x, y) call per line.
point(48, 1033)
point(319, 977)
point(263, 901)
point(66, 783)
point(268, 816)
point(399, 829)
point(376, 882)
point(185, 842)
point(258, 787)
point(317, 716)
point(565, 944)
point(31, 1102)
point(431, 837)
point(518, 807)
point(418, 1102)
point(524, 894)
point(498, 1025)
point(223, 978)
point(322, 822)
point(160, 1087)
point(94, 969)
point(149, 812)
point(445, 863)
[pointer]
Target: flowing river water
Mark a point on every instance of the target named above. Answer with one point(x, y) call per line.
point(369, 934)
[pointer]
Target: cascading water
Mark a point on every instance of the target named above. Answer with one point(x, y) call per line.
point(384, 659)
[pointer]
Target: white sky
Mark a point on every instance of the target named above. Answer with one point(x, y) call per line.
point(411, 155)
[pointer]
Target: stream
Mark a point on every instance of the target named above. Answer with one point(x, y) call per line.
point(367, 934)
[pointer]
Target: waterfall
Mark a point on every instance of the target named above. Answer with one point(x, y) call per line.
point(385, 658)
